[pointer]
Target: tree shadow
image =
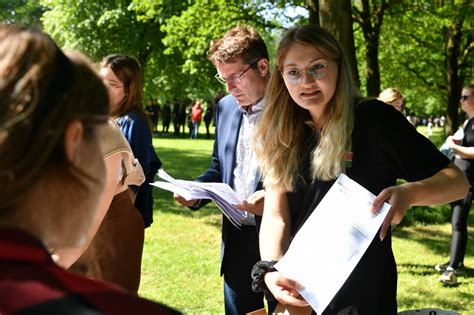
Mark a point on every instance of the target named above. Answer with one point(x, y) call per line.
point(436, 301)
point(436, 241)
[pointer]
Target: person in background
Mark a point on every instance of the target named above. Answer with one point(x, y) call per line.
point(320, 129)
point(122, 75)
point(241, 60)
point(208, 119)
point(175, 115)
point(196, 117)
point(52, 177)
point(189, 113)
point(153, 112)
point(392, 96)
point(166, 117)
point(182, 116)
point(179, 117)
point(464, 159)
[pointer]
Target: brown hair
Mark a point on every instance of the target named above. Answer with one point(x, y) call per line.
point(41, 92)
point(239, 42)
point(128, 71)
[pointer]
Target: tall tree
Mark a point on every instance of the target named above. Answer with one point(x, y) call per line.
point(21, 12)
point(313, 10)
point(336, 17)
point(427, 51)
point(111, 26)
point(369, 15)
point(456, 52)
point(191, 32)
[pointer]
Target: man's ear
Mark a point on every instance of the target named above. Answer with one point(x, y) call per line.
point(72, 140)
point(263, 67)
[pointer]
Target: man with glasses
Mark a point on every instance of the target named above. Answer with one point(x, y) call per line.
point(241, 60)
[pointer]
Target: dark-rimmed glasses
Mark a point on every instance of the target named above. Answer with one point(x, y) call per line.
point(235, 79)
point(465, 98)
point(316, 70)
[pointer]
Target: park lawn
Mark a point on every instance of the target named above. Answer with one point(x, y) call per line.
point(182, 248)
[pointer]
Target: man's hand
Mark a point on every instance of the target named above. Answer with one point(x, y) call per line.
point(254, 204)
point(184, 202)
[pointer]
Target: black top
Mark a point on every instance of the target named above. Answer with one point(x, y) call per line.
point(467, 165)
point(385, 147)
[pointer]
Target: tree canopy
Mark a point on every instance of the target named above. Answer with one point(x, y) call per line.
point(422, 47)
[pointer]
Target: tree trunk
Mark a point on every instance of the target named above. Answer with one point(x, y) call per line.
point(336, 17)
point(372, 70)
point(453, 42)
point(313, 10)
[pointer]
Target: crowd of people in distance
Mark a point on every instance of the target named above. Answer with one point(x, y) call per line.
point(180, 116)
point(78, 160)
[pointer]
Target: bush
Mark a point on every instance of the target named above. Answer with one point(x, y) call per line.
point(427, 215)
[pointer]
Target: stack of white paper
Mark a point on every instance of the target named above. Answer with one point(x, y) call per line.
point(222, 194)
point(332, 241)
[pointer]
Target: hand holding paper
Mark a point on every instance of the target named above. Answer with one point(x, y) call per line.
point(340, 230)
point(222, 194)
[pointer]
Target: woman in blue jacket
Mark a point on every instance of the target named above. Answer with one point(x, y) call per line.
point(122, 75)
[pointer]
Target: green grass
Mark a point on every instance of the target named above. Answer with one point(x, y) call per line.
point(417, 249)
point(182, 247)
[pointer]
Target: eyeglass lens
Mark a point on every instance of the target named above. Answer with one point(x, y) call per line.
point(236, 78)
point(317, 70)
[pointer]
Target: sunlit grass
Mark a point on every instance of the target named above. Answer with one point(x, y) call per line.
point(417, 250)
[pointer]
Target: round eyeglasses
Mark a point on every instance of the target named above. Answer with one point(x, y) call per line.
point(235, 79)
point(295, 76)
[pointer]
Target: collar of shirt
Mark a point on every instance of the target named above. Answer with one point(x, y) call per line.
point(253, 109)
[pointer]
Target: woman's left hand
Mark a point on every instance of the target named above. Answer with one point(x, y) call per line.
point(399, 199)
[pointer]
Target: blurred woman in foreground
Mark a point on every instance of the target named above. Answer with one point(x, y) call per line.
point(52, 109)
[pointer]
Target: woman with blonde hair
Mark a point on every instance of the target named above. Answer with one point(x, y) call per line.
point(320, 129)
point(392, 96)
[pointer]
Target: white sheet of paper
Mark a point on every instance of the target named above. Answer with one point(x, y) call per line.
point(332, 241)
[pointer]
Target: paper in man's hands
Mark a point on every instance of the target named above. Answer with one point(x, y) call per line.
point(222, 194)
point(332, 241)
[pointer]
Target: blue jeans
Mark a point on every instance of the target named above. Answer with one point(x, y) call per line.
point(194, 132)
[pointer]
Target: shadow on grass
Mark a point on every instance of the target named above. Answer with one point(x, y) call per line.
point(416, 269)
point(436, 241)
point(435, 301)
